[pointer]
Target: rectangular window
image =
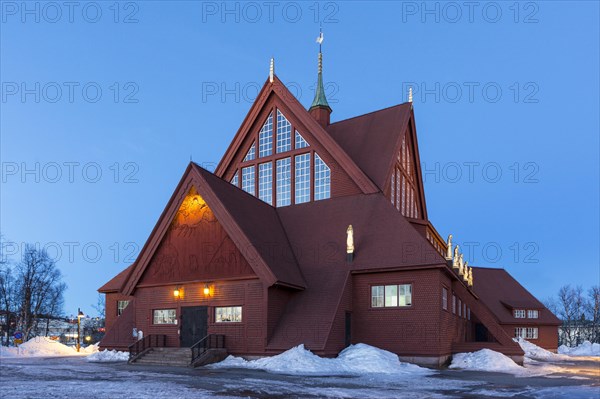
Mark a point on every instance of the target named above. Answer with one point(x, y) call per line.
point(265, 138)
point(468, 313)
point(392, 187)
point(121, 305)
point(453, 304)
point(533, 314)
point(322, 179)
point(377, 296)
point(519, 313)
point(464, 310)
point(284, 182)
point(265, 182)
point(229, 314)
point(459, 307)
point(284, 133)
point(397, 189)
point(405, 295)
point(526, 332)
point(444, 299)
point(248, 184)
point(164, 316)
point(391, 295)
point(302, 175)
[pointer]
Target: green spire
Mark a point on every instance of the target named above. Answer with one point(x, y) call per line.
point(320, 99)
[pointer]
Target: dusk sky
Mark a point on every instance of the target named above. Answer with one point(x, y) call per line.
point(103, 104)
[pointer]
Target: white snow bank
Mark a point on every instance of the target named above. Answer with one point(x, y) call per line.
point(585, 349)
point(39, 347)
point(356, 359)
point(533, 351)
point(108, 356)
point(485, 360)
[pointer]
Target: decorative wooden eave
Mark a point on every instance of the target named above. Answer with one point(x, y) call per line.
point(277, 88)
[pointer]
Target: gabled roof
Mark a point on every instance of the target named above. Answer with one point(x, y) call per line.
point(252, 225)
point(278, 89)
point(373, 141)
point(500, 292)
point(116, 283)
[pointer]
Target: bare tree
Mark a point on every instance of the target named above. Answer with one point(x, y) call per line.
point(100, 306)
point(38, 286)
point(592, 306)
point(571, 309)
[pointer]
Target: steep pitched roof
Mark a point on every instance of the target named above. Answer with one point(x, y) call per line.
point(371, 139)
point(500, 292)
point(374, 140)
point(384, 240)
point(116, 283)
point(278, 89)
point(252, 225)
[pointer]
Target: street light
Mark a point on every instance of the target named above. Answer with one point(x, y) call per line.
point(79, 316)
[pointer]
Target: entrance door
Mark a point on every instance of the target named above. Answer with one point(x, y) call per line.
point(194, 322)
point(348, 335)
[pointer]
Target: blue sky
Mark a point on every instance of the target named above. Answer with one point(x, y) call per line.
point(105, 105)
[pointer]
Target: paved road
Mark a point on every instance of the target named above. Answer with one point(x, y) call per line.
point(38, 378)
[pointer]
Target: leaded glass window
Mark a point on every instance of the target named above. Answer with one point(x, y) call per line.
point(302, 176)
point(251, 154)
point(284, 182)
point(300, 142)
point(248, 179)
point(284, 133)
point(234, 179)
point(322, 179)
point(265, 138)
point(265, 182)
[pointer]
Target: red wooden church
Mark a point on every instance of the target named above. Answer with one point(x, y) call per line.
point(316, 233)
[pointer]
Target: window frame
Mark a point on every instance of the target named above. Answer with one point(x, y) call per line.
point(175, 322)
point(227, 322)
point(444, 298)
point(530, 312)
point(383, 285)
point(119, 309)
point(519, 313)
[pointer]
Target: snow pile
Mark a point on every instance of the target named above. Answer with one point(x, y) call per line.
point(39, 346)
point(108, 356)
point(585, 349)
point(90, 348)
point(533, 351)
point(354, 360)
point(485, 360)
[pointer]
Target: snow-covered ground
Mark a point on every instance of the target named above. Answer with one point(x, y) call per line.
point(585, 349)
point(357, 359)
point(108, 356)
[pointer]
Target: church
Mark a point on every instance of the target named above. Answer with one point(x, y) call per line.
point(314, 232)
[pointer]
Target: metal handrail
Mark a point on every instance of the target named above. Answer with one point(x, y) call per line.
point(149, 341)
point(211, 341)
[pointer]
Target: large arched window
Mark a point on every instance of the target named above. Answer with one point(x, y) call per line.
point(292, 174)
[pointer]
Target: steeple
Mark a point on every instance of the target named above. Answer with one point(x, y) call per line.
point(320, 109)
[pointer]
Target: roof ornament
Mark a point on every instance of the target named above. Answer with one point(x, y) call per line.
point(470, 278)
point(461, 265)
point(320, 99)
point(466, 270)
point(410, 96)
point(272, 70)
point(350, 243)
point(449, 248)
point(455, 258)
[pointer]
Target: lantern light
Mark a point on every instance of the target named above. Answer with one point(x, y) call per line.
point(206, 289)
point(176, 293)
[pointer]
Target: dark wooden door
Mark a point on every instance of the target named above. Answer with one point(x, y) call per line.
point(194, 322)
point(348, 335)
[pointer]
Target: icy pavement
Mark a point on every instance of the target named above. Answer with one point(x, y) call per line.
point(74, 377)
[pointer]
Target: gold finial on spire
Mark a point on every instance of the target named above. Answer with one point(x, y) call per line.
point(410, 96)
point(272, 70)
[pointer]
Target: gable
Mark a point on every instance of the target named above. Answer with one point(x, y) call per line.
point(194, 248)
point(252, 226)
point(279, 127)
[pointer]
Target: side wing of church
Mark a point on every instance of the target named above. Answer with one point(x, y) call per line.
point(315, 233)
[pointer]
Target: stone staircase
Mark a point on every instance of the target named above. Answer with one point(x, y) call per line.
point(176, 357)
